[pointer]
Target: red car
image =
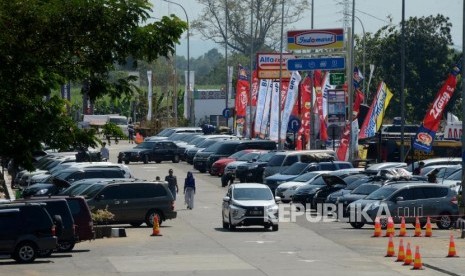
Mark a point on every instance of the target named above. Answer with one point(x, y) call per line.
point(218, 166)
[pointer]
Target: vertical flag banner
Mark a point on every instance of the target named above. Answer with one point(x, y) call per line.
point(306, 88)
point(343, 150)
point(319, 107)
point(274, 118)
point(375, 115)
point(427, 131)
point(291, 97)
point(255, 88)
point(266, 110)
point(261, 99)
point(357, 102)
point(149, 96)
point(358, 77)
point(242, 97)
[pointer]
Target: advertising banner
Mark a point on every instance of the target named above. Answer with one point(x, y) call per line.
point(291, 97)
point(274, 118)
point(315, 39)
point(375, 115)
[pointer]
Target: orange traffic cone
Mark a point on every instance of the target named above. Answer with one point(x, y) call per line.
point(390, 227)
point(429, 229)
point(417, 228)
point(417, 261)
point(408, 255)
point(377, 232)
point(156, 227)
point(452, 252)
point(390, 250)
point(403, 229)
point(401, 252)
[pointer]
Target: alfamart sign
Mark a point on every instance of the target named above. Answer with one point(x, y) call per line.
point(315, 39)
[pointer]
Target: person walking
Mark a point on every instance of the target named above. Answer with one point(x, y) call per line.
point(104, 152)
point(189, 190)
point(417, 170)
point(131, 134)
point(172, 183)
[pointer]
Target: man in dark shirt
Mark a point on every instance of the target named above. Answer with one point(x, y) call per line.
point(172, 183)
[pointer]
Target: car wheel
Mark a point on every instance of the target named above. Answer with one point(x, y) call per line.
point(135, 224)
point(150, 216)
point(176, 159)
point(211, 173)
point(285, 200)
point(120, 161)
point(225, 224)
point(202, 171)
point(126, 162)
point(66, 246)
point(231, 226)
point(146, 159)
point(158, 161)
point(44, 253)
point(357, 225)
point(275, 227)
point(444, 221)
point(25, 252)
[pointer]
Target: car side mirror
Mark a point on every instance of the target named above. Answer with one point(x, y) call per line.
point(399, 198)
point(226, 199)
point(277, 198)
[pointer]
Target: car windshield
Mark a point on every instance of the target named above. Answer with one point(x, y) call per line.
point(252, 194)
point(76, 189)
point(306, 176)
point(295, 169)
point(365, 189)
point(92, 191)
point(249, 156)
point(456, 175)
point(381, 193)
point(317, 181)
point(266, 157)
point(276, 160)
point(119, 121)
point(145, 145)
point(446, 172)
point(356, 183)
point(213, 147)
point(238, 154)
point(197, 140)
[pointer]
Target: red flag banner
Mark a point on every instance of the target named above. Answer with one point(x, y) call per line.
point(319, 105)
point(343, 150)
point(305, 98)
point(357, 102)
point(255, 86)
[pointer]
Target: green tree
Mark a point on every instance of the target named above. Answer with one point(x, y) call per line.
point(46, 43)
point(429, 58)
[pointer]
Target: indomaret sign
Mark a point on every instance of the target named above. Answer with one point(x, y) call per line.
point(315, 39)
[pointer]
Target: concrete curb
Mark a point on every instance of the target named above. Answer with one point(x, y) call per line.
point(118, 232)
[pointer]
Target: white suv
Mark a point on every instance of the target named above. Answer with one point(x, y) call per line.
point(250, 204)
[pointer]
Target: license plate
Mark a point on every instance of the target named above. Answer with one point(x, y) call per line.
point(256, 212)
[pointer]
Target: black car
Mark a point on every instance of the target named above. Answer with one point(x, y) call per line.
point(30, 229)
point(151, 151)
point(253, 171)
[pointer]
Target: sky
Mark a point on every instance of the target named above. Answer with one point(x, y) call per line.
point(328, 14)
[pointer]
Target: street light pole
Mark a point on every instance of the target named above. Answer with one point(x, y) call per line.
point(189, 95)
point(364, 54)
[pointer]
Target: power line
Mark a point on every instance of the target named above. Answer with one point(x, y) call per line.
point(370, 15)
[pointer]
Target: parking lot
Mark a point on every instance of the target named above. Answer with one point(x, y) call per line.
point(195, 244)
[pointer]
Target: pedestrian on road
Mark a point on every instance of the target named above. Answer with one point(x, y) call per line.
point(189, 190)
point(104, 152)
point(172, 183)
point(131, 134)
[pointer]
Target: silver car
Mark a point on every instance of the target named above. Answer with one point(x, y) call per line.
point(250, 204)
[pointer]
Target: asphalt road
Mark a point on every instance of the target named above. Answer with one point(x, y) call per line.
point(196, 244)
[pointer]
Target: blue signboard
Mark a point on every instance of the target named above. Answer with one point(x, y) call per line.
point(294, 124)
point(308, 64)
point(226, 113)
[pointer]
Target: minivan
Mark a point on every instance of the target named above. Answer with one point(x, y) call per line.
point(408, 200)
point(279, 162)
point(132, 202)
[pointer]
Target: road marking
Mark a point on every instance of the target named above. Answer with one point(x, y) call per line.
point(288, 252)
point(150, 167)
point(307, 261)
point(261, 242)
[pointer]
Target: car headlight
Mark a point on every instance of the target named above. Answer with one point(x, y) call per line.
point(237, 212)
point(41, 192)
point(272, 210)
point(293, 187)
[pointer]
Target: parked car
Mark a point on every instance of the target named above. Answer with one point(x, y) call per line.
point(408, 200)
point(436, 161)
point(358, 193)
point(202, 144)
point(59, 207)
point(299, 168)
point(253, 171)
point(30, 229)
point(287, 189)
point(147, 151)
point(219, 165)
point(132, 202)
point(248, 204)
point(229, 174)
point(280, 163)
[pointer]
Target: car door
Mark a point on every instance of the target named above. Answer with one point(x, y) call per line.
point(8, 235)
point(140, 198)
point(171, 149)
point(403, 205)
point(113, 198)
